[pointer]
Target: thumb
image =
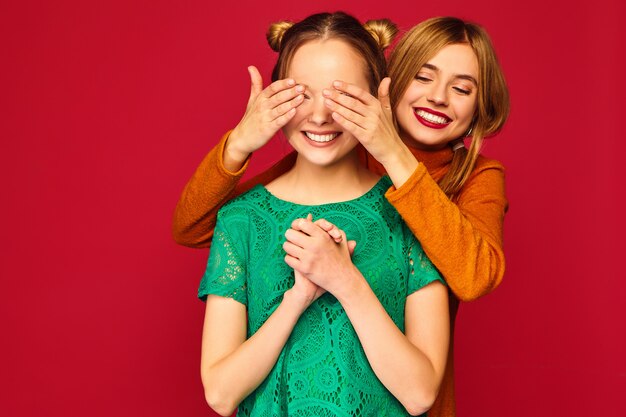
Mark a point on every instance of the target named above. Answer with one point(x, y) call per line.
point(351, 246)
point(383, 94)
point(256, 81)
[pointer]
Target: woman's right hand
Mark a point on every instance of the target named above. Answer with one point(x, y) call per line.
point(268, 110)
point(304, 292)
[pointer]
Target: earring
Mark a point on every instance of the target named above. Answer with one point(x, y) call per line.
point(458, 146)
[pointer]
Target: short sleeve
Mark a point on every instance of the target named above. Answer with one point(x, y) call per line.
point(226, 270)
point(421, 270)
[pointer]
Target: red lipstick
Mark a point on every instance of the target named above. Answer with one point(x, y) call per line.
point(428, 123)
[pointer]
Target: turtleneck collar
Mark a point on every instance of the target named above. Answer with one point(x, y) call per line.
point(434, 160)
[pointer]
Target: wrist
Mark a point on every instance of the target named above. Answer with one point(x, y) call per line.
point(295, 302)
point(394, 152)
point(400, 165)
point(234, 157)
point(351, 287)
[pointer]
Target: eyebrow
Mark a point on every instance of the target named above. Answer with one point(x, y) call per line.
point(461, 76)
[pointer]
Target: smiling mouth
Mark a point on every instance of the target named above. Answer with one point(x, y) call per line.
point(432, 118)
point(321, 138)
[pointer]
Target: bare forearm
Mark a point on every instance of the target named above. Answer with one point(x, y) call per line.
point(399, 164)
point(402, 367)
point(228, 381)
point(234, 157)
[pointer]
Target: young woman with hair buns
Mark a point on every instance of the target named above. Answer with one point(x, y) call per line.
point(367, 332)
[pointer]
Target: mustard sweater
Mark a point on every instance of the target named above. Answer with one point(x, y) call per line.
point(463, 239)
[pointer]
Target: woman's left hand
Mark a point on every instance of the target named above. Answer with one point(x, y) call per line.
point(369, 119)
point(315, 253)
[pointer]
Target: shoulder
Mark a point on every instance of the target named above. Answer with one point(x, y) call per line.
point(486, 171)
point(383, 184)
point(240, 210)
point(376, 196)
point(372, 207)
point(484, 163)
point(486, 183)
point(246, 200)
point(380, 202)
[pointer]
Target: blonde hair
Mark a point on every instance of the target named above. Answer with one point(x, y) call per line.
point(368, 40)
point(382, 30)
point(423, 42)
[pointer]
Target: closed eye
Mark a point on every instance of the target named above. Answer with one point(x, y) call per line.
point(462, 91)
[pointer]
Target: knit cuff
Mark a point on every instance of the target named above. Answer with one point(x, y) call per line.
point(394, 194)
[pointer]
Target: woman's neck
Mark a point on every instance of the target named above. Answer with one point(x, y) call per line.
point(311, 184)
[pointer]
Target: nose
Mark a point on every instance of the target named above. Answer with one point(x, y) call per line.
point(438, 94)
point(320, 113)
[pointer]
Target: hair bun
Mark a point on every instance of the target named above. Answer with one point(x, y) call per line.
point(383, 31)
point(276, 32)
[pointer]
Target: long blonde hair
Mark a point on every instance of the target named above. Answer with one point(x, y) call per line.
point(423, 42)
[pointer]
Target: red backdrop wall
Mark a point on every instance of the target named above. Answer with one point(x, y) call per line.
point(107, 107)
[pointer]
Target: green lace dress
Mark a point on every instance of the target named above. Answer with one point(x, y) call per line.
point(322, 370)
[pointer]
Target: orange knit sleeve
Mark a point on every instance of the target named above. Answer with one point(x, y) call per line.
point(210, 187)
point(463, 240)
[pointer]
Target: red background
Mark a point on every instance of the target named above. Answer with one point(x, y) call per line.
point(106, 109)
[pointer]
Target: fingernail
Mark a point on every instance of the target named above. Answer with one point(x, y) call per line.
point(326, 93)
point(337, 84)
point(291, 82)
point(299, 89)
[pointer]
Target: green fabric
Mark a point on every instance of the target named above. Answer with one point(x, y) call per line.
point(322, 370)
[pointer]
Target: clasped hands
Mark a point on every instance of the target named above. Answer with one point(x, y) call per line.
point(320, 256)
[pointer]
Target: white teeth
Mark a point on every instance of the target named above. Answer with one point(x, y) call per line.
point(321, 138)
point(431, 117)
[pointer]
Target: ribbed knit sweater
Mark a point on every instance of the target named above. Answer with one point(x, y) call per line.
point(463, 239)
